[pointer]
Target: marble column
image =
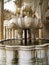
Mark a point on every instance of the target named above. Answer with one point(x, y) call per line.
point(1, 19)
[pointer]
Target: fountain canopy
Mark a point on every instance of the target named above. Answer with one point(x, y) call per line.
point(25, 17)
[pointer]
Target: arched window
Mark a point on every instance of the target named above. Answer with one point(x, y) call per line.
point(6, 1)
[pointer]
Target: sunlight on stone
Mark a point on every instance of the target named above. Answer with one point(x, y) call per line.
point(10, 6)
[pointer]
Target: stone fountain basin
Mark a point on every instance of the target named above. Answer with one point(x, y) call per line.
point(22, 55)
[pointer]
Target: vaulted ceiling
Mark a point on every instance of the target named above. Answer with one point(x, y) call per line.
point(40, 6)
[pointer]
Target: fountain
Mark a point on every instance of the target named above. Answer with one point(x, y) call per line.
point(26, 21)
point(24, 54)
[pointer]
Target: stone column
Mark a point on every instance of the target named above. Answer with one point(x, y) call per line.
point(40, 32)
point(40, 36)
point(1, 19)
point(13, 33)
point(40, 23)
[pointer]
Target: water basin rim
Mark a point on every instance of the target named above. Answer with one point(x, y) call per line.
point(18, 46)
point(2, 45)
point(43, 45)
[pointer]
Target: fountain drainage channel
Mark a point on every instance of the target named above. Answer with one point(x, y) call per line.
point(23, 55)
